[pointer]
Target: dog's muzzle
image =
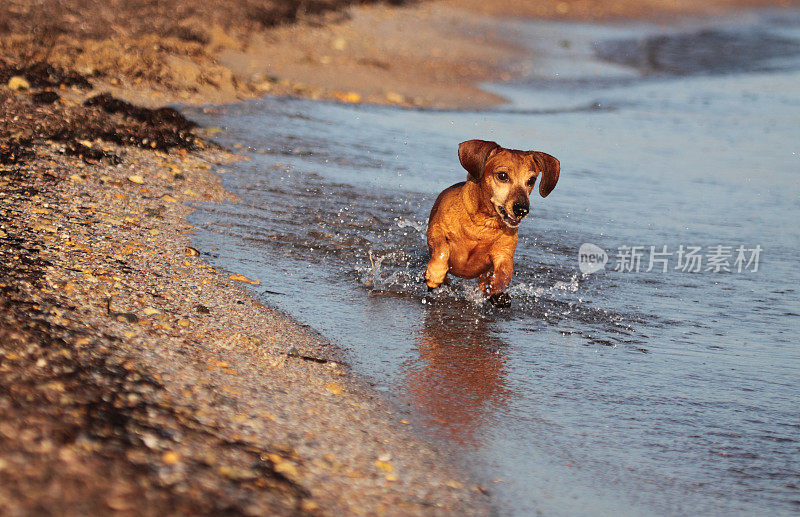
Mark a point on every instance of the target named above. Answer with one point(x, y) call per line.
point(509, 220)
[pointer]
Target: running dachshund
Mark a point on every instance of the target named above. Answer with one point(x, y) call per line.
point(472, 231)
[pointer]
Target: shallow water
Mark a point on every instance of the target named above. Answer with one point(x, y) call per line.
point(625, 392)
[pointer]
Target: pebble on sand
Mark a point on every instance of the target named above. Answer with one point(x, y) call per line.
point(18, 82)
point(395, 98)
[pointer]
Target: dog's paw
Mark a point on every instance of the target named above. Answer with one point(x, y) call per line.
point(500, 300)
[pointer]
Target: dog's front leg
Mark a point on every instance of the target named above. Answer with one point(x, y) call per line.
point(484, 281)
point(438, 266)
point(503, 266)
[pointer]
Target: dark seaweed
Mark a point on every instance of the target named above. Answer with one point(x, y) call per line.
point(43, 75)
point(153, 117)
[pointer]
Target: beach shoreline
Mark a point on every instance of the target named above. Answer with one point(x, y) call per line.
point(133, 373)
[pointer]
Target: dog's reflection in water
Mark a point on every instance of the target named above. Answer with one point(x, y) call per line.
point(459, 378)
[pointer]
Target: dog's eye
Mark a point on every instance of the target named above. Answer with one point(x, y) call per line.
point(531, 181)
point(502, 176)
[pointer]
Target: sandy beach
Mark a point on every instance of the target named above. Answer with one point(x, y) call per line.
point(135, 378)
point(414, 54)
point(134, 372)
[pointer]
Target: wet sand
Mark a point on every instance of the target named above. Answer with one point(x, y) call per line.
point(136, 379)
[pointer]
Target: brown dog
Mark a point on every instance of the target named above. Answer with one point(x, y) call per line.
point(472, 231)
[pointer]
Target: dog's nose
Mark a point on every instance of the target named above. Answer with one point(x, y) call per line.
point(521, 208)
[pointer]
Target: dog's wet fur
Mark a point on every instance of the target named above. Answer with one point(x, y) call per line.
point(472, 231)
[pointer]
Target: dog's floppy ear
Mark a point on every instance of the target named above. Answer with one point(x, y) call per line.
point(551, 168)
point(473, 155)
